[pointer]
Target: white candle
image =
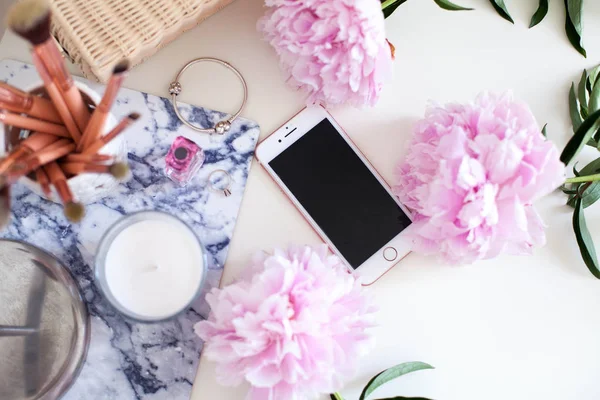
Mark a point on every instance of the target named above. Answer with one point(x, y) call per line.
point(153, 268)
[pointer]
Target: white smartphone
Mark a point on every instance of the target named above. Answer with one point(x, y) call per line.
point(338, 191)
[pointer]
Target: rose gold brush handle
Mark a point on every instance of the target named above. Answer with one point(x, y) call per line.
point(57, 99)
point(15, 100)
point(41, 158)
point(51, 57)
point(96, 123)
point(11, 97)
point(26, 147)
point(33, 124)
point(116, 131)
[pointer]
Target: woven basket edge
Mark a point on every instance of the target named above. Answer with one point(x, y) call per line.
point(143, 53)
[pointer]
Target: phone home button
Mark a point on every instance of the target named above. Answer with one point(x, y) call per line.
point(390, 253)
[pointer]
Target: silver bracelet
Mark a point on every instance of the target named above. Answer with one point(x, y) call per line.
point(220, 127)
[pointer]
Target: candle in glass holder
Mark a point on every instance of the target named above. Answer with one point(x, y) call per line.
point(150, 266)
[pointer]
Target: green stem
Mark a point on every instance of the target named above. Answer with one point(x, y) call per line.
point(338, 396)
point(588, 178)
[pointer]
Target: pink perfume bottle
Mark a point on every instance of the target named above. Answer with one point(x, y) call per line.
point(183, 160)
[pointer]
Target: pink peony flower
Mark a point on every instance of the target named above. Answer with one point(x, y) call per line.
point(335, 50)
point(472, 174)
point(293, 330)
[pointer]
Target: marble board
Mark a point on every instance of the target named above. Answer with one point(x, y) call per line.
point(128, 360)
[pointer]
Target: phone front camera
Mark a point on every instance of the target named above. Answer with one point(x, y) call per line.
point(279, 140)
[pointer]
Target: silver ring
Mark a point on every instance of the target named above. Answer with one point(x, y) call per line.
point(220, 127)
point(226, 191)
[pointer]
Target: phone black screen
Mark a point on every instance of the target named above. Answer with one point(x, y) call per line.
point(340, 193)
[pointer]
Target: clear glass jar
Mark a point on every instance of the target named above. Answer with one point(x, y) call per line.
point(152, 245)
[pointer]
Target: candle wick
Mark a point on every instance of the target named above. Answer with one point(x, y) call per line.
point(150, 268)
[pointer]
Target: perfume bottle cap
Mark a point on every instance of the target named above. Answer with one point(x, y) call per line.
point(180, 153)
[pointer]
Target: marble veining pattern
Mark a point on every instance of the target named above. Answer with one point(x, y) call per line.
point(128, 360)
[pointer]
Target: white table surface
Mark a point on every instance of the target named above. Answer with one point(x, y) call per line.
point(519, 328)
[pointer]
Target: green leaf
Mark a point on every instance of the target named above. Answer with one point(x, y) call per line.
point(575, 172)
point(391, 374)
point(389, 6)
point(448, 5)
point(544, 131)
point(592, 168)
point(576, 119)
point(580, 138)
point(594, 103)
point(592, 78)
point(591, 194)
point(501, 9)
point(539, 14)
point(582, 93)
point(573, 24)
point(594, 141)
point(584, 112)
point(584, 240)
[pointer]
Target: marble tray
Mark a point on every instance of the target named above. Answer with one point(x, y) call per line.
point(128, 360)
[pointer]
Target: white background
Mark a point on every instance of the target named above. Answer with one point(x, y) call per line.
point(512, 328)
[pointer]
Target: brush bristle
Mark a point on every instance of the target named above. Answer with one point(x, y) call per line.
point(74, 211)
point(119, 170)
point(134, 116)
point(30, 19)
point(121, 67)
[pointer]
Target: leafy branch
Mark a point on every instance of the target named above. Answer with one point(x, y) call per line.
point(573, 21)
point(388, 375)
point(584, 188)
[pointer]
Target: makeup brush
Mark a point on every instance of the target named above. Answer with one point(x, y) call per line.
point(53, 146)
point(30, 19)
point(42, 178)
point(94, 128)
point(88, 158)
point(35, 142)
point(117, 130)
point(73, 211)
point(4, 205)
point(119, 170)
point(57, 99)
point(32, 124)
point(45, 156)
point(15, 100)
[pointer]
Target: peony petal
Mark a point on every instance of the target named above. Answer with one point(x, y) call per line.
point(471, 174)
point(295, 328)
point(264, 377)
point(335, 51)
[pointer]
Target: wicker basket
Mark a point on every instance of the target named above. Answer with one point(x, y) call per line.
point(96, 34)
